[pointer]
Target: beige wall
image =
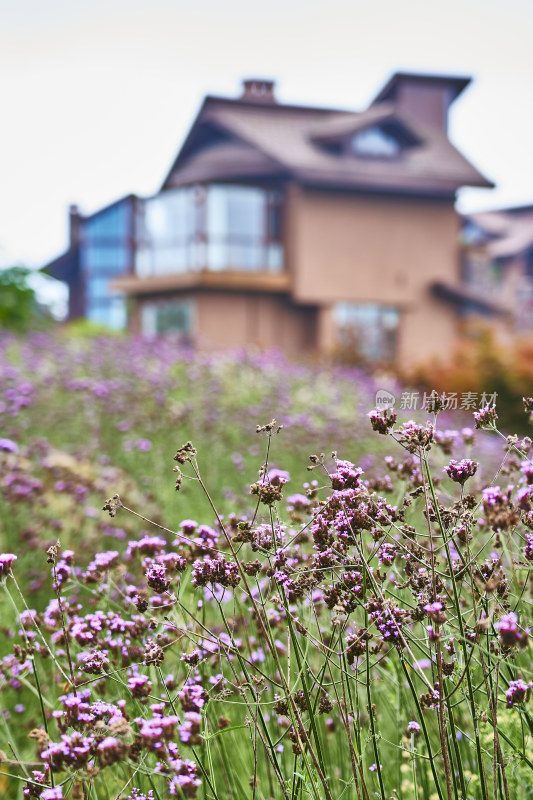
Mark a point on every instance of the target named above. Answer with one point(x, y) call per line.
point(343, 247)
point(236, 319)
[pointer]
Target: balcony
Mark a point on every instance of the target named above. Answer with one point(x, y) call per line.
point(228, 280)
point(207, 235)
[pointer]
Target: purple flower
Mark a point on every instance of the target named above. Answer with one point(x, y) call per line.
point(8, 446)
point(298, 502)
point(101, 564)
point(468, 435)
point(278, 477)
point(190, 728)
point(510, 633)
point(436, 612)
point(111, 750)
point(156, 577)
point(413, 727)
point(528, 549)
point(139, 685)
point(346, 475)
point(143, 444)
point(158, 730)
point(72, 751)
point(518, 692)
point(211, 571)
point(382, 420)
point(387, 554)
point(148, 545)
point(485, 417)
point(461, 471)
point(433, 636)
point(388, 620)
point(523, 498)
point(94, 663)
point(185, 783)
point(52, 794)
point(6, 561)
point(193, 697)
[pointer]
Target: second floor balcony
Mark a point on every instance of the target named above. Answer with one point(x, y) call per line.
point(211, 235)
point(213, 228)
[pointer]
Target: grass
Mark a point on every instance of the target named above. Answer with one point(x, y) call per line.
point(282, 634)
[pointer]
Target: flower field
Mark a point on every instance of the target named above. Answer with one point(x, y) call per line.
point(223, 578)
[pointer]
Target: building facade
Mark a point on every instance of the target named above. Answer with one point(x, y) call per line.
point(497, 262)
point(291, 227)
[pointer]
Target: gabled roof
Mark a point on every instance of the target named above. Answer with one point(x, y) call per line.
point(509, 230)
point(64, 267)
point(275, 139)
point(344, 125)
point(456, 83)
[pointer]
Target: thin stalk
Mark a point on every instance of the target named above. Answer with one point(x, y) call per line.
point(461, 628)
point(373, 725)
point(424, 729)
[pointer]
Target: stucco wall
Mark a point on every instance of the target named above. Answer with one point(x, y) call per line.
point(223, 320)
point(235, 320)
point(368, 249)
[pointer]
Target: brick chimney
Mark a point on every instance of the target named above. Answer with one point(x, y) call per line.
point(423, 98)
point(75, 220)
point(258, 90)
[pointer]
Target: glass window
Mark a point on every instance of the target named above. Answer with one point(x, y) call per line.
point(369, 328)
point(106, 252)
point(113, 259)
point(218, 227)
point(165, 318)
point(167, 233)
point(375, 142)
point(98, 288)
point(109, 312)
point(112, 223)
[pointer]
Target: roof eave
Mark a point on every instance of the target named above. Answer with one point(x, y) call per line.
point(462, 296)
point(458, 82)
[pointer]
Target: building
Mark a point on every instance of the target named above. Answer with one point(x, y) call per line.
point(291, 227)
point(497, 261)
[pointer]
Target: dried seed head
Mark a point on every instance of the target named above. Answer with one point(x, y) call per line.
point(52, 552)
point(112, 505)
point(185, 453)
point(269, 427)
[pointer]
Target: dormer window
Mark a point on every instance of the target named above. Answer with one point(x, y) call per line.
point(374, 143)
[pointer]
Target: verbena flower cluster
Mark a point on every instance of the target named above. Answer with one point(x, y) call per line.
point(363, 628)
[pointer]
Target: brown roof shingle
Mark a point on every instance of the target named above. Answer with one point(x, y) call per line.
point(289, 137)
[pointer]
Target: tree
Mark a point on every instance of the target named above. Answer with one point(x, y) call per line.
point(19, 309)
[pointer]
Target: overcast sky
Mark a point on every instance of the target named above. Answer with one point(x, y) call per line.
point(96, 96)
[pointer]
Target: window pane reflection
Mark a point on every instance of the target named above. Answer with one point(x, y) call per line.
point(218, 227)
point(167, 318)
point(370, 330)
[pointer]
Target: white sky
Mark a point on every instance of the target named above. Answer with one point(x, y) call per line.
point(96, 96)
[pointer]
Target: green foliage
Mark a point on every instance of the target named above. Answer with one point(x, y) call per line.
point(86, 329)
point(480, 363)
point(307, 684)
point(19, 310)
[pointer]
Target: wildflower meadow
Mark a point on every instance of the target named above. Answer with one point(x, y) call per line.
point(228, 576)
